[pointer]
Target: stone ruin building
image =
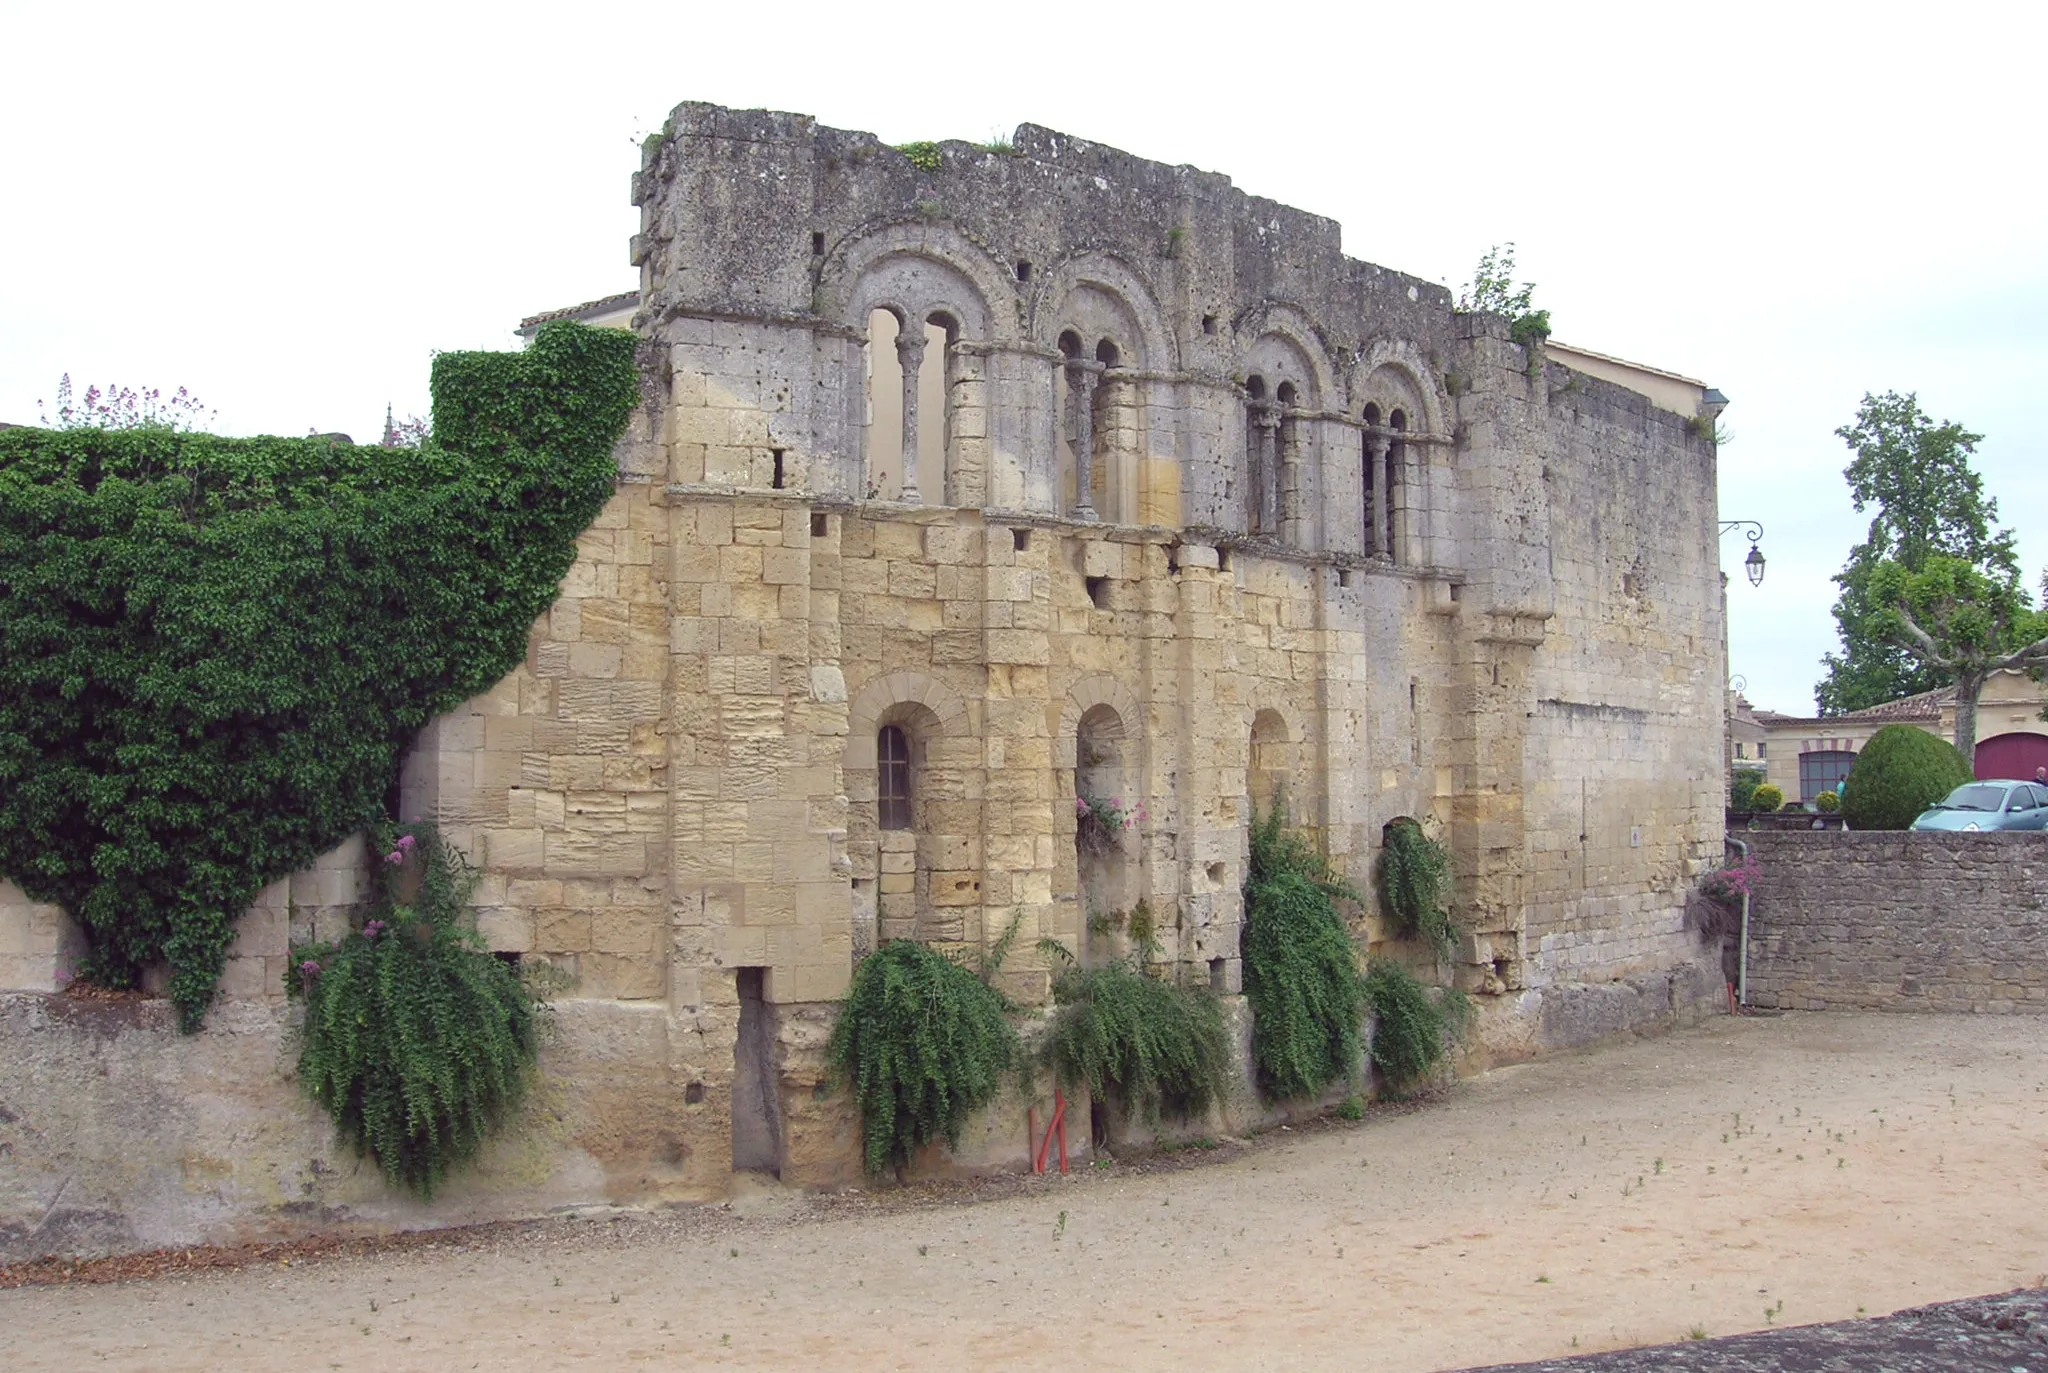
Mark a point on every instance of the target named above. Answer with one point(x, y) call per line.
point(970, 481)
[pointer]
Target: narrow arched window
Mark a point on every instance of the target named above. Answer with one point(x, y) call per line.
point(892, 752)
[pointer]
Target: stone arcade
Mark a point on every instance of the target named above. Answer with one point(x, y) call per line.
point(969, 482)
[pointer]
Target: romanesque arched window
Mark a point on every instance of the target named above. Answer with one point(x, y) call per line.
point(894, 801)
point(910, 403)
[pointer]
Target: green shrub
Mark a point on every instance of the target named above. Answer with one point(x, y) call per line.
point(417, 1039)
point(1900, 772)
point(1414, 1028)
point(1415, 886)
point(1300, 967)
point(1767, 798)
point(924, 1043)
point(213, 652)
point(1742, 788)
point(1138, 1043)
point(1827, 803)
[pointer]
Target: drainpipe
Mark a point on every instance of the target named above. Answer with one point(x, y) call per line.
point(1742, 963)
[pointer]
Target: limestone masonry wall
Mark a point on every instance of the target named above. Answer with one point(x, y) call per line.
point(1182, 508)
point(1900, 922)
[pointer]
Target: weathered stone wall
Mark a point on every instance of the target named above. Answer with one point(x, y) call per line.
point(1900, 922)
point(1339, 543)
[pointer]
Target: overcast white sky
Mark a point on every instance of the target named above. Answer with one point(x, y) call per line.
point(289, 208)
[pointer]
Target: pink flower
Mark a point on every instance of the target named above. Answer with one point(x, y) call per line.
point(405, 843)
point(395, 856)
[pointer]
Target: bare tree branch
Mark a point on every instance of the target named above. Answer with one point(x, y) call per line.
point(2034, 654)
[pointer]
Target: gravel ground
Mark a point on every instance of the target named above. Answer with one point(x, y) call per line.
point(1752, 1174)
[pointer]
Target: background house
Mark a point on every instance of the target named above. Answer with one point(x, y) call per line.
point(1806, 755)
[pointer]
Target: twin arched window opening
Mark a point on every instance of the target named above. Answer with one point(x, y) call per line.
point(1271, 448)
point(1093, 417)
point(909, 431)
point(1385, 458)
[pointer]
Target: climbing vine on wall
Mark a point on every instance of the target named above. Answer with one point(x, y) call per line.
point(417, 1039)
point(214, 651)
point(1300, 967)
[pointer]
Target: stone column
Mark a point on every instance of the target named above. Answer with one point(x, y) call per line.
point(1081, 380)
point(1376, 478)
point(910, 355)
point(1287, 444)
point(1267, 429)
point(1408, 519)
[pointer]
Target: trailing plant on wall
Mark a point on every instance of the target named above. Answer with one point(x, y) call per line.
point(213, 651)
point(1415, 885)
point(924, 1043)
point(1414, 1027)
point(1099, 824)
point(1300, 967)
point(1727, 885)
point(417, 1039)
point(1139, 1043)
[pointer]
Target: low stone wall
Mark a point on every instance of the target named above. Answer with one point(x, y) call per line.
point(1900, 922)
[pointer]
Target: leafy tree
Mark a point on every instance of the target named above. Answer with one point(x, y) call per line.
point(1961, 623)
point(1493, 289)
point(1928, 502)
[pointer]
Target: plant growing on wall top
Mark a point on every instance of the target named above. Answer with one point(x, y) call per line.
point(1415, 885)
point(1300, 967)
point(213, 652)
point(1493, 289)
point(417, 1039)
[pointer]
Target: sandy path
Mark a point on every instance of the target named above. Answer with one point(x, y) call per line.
point(1812, 1166)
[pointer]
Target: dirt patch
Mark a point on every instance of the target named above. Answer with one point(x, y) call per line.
point(1750, 1174)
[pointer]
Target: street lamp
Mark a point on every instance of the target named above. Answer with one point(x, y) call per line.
point(1754, 563)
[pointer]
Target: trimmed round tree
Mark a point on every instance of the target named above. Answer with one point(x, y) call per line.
point(1900, 772)
point(1768, 799)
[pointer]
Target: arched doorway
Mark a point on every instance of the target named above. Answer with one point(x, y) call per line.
point(2012, 755)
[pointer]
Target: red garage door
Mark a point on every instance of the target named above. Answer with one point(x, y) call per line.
point(2012, 755)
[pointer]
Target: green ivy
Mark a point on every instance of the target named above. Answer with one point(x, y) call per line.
point(214, 652)
point(1138, 1043)
point(417, 1038)
point(924, 1043)
point(1415, 886)
point(1414, 1028)
point(1300, 967)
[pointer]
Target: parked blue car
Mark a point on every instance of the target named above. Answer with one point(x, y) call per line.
point(1989, 805)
